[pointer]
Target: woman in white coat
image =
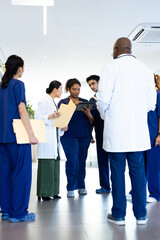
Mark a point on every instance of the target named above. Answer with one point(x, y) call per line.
point(48, 152)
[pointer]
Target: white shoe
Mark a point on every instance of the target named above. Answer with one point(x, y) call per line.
point(142, 220)
point(151, 200)
point(82, 191)
point(70, 194)
point(129, 196)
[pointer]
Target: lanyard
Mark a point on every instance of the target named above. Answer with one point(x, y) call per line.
point(55, 105)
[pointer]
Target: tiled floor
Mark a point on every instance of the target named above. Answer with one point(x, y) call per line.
point(81, 218)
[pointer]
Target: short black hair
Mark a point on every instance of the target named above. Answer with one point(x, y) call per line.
point(93, 77)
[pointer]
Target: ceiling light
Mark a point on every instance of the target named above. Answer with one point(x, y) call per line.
point(33, 2)
point(42, 3)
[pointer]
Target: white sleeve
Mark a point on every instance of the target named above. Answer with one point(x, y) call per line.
point(42, 114)
point(105, 91)
point(151, 93)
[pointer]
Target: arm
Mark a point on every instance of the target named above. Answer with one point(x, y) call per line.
point(42, 113)
point(105, 91)
point(26, 121)
point(151, 92)
point(87, 112)
point(54, 115)
point(157, 141)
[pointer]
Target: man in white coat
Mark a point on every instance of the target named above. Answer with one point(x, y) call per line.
point(126, 93)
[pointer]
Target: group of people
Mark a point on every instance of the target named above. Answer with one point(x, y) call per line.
point(127, 126)
point(75, 139)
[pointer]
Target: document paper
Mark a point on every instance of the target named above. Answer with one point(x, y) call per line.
point(38, 127)
point(66, 111)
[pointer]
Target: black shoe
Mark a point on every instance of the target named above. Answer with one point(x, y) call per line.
point(46, 198)
point(56, 197)
point(39, 199)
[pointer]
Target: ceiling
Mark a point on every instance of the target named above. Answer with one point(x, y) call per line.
point(79, 40)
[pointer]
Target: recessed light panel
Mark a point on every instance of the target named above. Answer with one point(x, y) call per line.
point(33, 2)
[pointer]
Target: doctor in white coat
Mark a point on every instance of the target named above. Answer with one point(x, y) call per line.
point(126, 93)
point(48, 153)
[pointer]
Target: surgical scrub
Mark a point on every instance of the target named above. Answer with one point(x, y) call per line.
point(153, 155)
point(102, 155)
point(75, 143)
point(15, 159)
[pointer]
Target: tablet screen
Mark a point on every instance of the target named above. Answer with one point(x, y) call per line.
point(89, 105)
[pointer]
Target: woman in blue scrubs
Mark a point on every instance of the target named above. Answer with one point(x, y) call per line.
point(75, 141)
point(153, 155)
point(15, 159)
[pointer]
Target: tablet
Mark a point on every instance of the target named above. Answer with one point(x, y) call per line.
point(89, 105)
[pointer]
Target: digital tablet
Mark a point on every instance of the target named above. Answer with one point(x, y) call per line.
point(89, 105)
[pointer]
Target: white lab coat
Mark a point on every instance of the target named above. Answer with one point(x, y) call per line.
point(126, 93)
point(47, 150)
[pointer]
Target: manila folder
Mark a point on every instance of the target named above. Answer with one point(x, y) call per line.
point(38, 127)
point(66, 111)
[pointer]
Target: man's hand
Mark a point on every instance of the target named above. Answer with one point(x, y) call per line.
point(92, 140)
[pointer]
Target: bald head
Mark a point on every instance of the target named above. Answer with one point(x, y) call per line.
point(121, 46)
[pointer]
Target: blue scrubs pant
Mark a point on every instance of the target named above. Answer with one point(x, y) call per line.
point(103, 164)
point(15, 178)
point(138, 182)
point(153, 169)
point(76, 150)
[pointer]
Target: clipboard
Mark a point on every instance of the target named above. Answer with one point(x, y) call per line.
point(89, 105)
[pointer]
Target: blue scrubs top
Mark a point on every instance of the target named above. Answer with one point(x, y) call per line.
point(153, 121)
point(10, 98)
point(79, 125)
point(98, 121)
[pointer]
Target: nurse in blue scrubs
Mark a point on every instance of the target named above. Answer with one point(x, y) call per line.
point(153, 155)
point(15, 159)
point(76, 141)
point(102, 155)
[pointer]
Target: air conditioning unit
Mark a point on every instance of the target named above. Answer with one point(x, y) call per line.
point(146, 33)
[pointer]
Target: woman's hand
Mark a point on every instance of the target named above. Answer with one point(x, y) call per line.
point(33, 140)
point(54, 115)
point(65, 128)
point(87, 112)
point(77, 102)
point(157, 141)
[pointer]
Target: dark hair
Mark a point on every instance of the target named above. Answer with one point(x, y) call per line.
point(12, 64)
point(54, 84)
point(155, 78)
point(93, 77)
point(71, 82)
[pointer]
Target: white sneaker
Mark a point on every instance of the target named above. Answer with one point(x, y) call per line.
point(82, 191)
point(151, 200)
point(129, 196)
point(142, 220)
point(70, 194)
